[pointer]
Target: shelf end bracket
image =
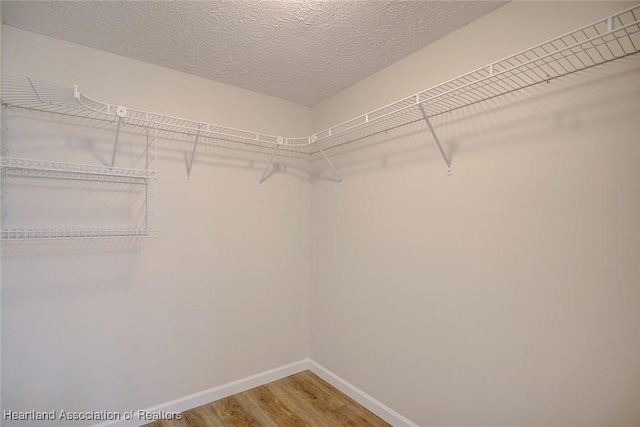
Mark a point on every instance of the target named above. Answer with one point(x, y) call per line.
point(264, 174)
point(115, 144)
point(193, 155)
point(435, 137)
point(121, 113)
point(315, 139)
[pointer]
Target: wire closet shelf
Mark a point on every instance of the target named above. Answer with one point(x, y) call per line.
point(12, 166)
point(74, 233)
point(36, 168)
point(605, 40)
point(49, 169)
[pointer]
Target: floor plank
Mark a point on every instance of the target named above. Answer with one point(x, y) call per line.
point(301, 400)
point(203, 416)
point(322, 406)
point(274, 408)
point(295, 400)
point(351, 407)
point(233, 414)
point(335, 408)
point(306, 385)
point(170, 423)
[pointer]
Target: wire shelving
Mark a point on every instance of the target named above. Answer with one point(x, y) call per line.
point(607, 39)
point(613, 37)
point(74, 233)
point(49, 169)
point(603, 41)
point(36, 168)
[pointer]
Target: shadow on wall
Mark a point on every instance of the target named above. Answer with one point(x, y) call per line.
point(68, 267)
point(596, 94)
point(47, 136)
point(527, 111)
point(41, 203)
point(90, 266)
point(227, 154)
point(59, 269)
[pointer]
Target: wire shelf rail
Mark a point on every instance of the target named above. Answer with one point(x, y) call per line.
point(74, 233)
point(603, 41)
point(49, 169)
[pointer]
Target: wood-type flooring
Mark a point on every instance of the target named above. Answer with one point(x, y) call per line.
point(301, 400)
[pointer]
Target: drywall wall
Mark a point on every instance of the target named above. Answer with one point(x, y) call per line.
point(506, 294)
point(221, 294)
point(1, 125)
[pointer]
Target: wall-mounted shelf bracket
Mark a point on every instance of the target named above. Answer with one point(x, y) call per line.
point(193, 155)
point(435, 137)
point(4, 151)
point(264, 174)
point(314, 138)
point(121, 113)
point(115, 144)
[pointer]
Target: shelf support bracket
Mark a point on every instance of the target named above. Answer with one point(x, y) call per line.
point(4, 153)
point(331, 164)
point(435, 137)
point(115, 144)
point(264, 174)
point(193, 155)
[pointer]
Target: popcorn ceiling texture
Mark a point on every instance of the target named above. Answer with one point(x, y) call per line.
point(299, 51)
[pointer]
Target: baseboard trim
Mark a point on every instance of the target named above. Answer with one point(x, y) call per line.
point(216, 393)
point(375, 406)
point(244, 384)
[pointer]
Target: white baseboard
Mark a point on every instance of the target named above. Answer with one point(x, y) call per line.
point(375, 406)
point(216, 393)
point(225, 390)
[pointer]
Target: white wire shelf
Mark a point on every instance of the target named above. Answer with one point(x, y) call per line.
point(74, 233)
point(48, 169)
point(38, 94)
point(610, 38)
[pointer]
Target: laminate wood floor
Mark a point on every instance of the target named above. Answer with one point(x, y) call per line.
point(300, 400)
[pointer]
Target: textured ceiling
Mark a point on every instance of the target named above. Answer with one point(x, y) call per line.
point(301, 51)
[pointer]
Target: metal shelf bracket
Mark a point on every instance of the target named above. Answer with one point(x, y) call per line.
point(435, 137)
point(264, 174)
point(121, 113)
point(193, 155)
point(314, 138)
point(4, 150)
point(115, 144)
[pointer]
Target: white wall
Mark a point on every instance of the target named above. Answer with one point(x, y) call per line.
point(1, 125)
point(221, 294)
point(506, 294)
